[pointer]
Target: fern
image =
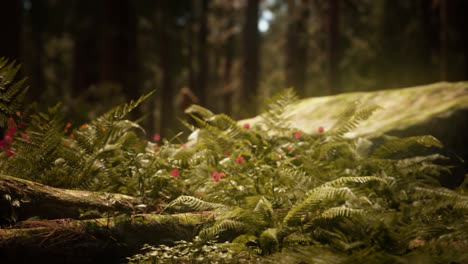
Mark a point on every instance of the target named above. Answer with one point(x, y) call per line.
point(274, 115)
point(194, 204)
point(350, 119)
point(11, 93)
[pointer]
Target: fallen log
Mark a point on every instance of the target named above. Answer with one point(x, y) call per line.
point(25, 199)
point(103, 240)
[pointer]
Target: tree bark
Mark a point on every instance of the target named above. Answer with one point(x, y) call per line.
point(202, 54)
point(103, 240)
point(119, 60)
point(166, 64)
point(11, 29)
point(45, 202)
point(251, 62)
point(333, 58)
point(296, 47)
point(443, 39)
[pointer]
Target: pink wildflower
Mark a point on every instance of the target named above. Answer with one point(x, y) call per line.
point(157, 137)
point(246, 125)
point(10, 153)
point(222, 175)
point(297, 134)
point(320, 130)
point(25, 137)
point(183, 146)
point(239, 160)
point(8, 138)
point(175, 173)
point(215, 176)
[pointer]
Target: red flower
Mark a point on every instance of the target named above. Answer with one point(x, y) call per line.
point(175, 173)
point(10, 153)
point(3, 144)
point(157, 137)
point(156, 148)
point(297, 134)
point(222, 175)
point(8, 138)
point(84, 126)
point(240, 160)
point(11, 123)
point(246, 125)
point(320, 130)
point(25, 137)
point(215, 176)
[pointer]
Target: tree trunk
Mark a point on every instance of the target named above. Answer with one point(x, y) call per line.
point(103, 240)
point(443, 39)
point(45, 202)
point(166, 64)
point(296, 47)
point(119, 60)
point(251, 62)
point(333, 58)
point(202, 54)
point(10, 19)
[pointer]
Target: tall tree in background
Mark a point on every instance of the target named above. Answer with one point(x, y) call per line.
point(37, 22)
point(251, 62)
point(332, 46)
point(85, 57)
point(10, 19)
point(202, 54)
point(297, 45)
point(166, 64)
point(118, 47)
point(443, 39)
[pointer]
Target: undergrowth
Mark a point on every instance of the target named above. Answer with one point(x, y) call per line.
point(279, 194)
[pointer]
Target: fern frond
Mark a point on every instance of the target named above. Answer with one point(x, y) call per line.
point(212, 232)
point(274, 115)
point(397, 146)
point(194, 204)
point(11, 93)
point(340, 211)
point(268, 240)
point(121, 111)
point(199, 111)
point(360, 179)
point(457, 200)
point(354, 118)
point(315, 197)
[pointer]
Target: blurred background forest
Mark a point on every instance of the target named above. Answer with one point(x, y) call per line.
point(226, 55)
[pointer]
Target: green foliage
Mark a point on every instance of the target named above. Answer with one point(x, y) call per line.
point(352, 199)
point(273, 190)
point(11, 93)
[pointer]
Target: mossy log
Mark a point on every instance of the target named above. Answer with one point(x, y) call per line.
point(103, 240)
point(29, 199)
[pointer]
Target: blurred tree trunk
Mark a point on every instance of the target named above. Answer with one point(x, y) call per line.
point(202, 54)
point(10, 19)
point(443, 39)
point(228, 88)
point(85, 57)
point(251, 62)
point(166, 64)
point(332, 47)
point(118, 50)
point(36, 74)
point(297, 44)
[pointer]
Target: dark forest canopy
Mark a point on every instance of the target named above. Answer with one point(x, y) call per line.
point(230, 54)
